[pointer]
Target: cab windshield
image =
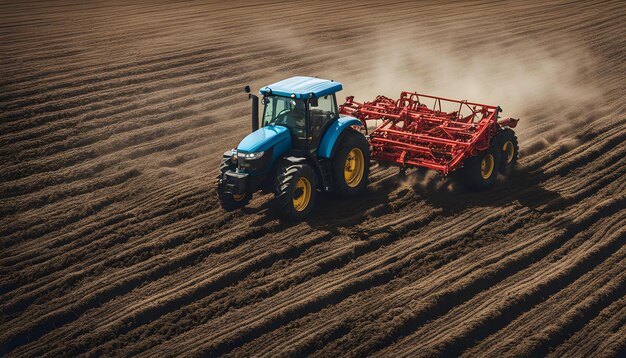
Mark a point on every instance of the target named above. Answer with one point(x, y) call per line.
point(284, 111)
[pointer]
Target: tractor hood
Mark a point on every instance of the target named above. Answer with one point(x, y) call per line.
point(263, 139)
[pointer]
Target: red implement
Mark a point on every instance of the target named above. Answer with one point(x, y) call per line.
point(415, 134)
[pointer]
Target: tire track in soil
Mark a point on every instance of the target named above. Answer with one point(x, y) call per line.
point(604, 334)
point(124, 325)
point(452, 295)
point(515, 304)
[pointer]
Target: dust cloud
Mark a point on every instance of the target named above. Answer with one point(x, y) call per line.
point(528, 80)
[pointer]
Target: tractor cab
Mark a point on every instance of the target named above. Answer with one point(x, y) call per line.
point(306, 106)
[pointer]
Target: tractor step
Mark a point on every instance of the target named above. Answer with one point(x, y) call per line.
point(327, 173)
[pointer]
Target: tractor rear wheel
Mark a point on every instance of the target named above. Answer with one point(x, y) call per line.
point(296, 191)
point(481, 171)
point(507, 141)
point(229, 201)
point(351, 165)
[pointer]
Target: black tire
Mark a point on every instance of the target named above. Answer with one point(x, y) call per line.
point(291, 191)
point(477, 177)
point(353, 142)
point(229, 201)
point(507, 142)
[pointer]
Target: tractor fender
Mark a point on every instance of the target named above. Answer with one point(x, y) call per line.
point(333, 135)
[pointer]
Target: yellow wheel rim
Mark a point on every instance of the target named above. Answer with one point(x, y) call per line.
point(508, 150)
point(354, 168)
point(486, 166)
point(238, 197)
point(302, 194)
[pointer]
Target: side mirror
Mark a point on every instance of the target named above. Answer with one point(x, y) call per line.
point(313, 102)
point(247, 89)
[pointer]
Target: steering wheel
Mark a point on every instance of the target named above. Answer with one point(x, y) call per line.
point(278, 119)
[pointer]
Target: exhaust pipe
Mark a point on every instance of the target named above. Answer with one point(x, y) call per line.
point(255, 109)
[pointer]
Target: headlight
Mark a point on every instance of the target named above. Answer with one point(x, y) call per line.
point(250, 156)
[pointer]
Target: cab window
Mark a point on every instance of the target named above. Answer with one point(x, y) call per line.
point(287, 112)
point(322, 112)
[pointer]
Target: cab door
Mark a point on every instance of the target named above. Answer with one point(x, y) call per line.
point(322, 112)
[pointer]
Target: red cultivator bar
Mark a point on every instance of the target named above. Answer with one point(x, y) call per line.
point(414, 134)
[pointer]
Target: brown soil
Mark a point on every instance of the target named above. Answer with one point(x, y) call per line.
point(114, 118)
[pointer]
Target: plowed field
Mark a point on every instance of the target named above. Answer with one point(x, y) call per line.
point(114, 117)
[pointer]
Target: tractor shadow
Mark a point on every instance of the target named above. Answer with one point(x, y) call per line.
point(329, 213)
point(332, 212)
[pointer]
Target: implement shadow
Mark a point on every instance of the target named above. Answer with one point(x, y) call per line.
point(521, 185)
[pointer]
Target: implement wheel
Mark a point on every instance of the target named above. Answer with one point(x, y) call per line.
point(296, 191)
point(351, 165)
point(507, 141)
point(481, 171)
point(230, 201)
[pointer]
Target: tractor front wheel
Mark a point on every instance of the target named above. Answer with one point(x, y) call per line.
point(481, 171)
point(296, 191)
point(230, 201)
point(351, 165)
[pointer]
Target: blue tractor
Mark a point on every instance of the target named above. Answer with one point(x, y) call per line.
point(303, 147)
